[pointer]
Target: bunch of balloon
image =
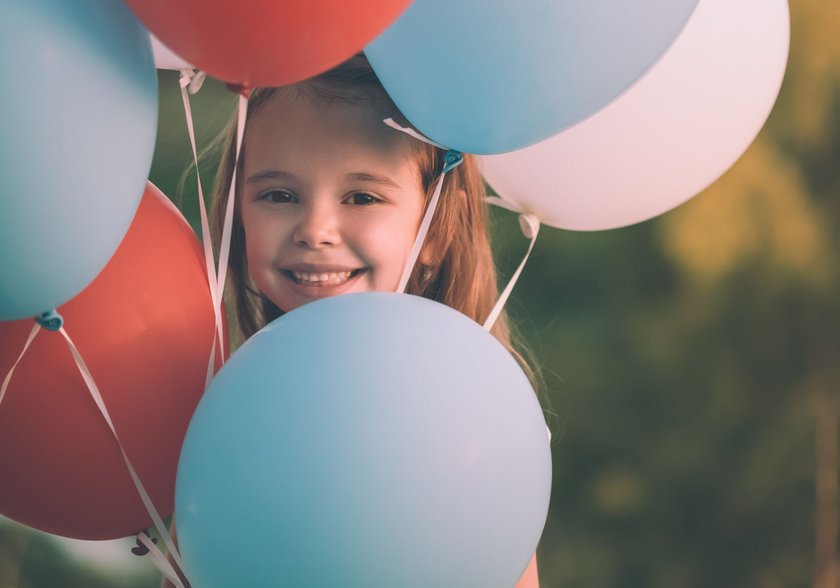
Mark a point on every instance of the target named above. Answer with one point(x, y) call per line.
point(79, 110)
point(144, 328)
point(372, 439)
point(490, 77)
point(669, 136)
point(261, 43)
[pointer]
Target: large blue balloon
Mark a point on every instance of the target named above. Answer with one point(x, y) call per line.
point(79, 118)
point(371, 439)
point(489, 77)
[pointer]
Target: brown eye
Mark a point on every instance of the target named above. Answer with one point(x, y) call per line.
point(278, 196)
point(362, 199)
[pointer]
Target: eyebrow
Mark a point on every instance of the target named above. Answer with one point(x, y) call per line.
point(373, 178)
point(269, 174)
point(278, 174)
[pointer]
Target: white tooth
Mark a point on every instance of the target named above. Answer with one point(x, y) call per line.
point(322, 277)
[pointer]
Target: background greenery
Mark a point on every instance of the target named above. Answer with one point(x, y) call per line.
point(690, 361)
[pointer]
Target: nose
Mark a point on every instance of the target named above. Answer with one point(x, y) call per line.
point(317, 226)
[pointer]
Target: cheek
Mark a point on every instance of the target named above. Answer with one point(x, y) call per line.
point(261, 237)
point(255, 246)
point(386, 246)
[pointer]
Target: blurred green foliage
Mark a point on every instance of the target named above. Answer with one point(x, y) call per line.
point(32, 559)
point(682, 356)
point(690, 350)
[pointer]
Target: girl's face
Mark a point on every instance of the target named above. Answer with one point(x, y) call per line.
point(331, 200)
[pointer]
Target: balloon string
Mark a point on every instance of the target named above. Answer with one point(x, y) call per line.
point(409, 131)
point(530, 225)
point(421, 237)
point(452, 159)
point(159, 559)
point(35, 328)
point(187, 81)
point(224, 252)
point(141, 490)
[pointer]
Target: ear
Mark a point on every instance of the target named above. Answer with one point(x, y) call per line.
point(425, 257)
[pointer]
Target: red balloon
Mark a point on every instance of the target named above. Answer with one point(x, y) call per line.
point(145, 328)
point(266, 42)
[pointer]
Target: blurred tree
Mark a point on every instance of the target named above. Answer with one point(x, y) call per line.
point(695, 351)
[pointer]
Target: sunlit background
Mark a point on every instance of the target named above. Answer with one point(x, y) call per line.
point(692, 364)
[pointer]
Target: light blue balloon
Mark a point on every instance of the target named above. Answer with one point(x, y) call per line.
point(489, 77)
point(79, 119)
point(371, 439)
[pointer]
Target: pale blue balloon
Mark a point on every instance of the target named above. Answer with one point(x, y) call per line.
point(79, 119)
point(489, 77)
point(371, 439)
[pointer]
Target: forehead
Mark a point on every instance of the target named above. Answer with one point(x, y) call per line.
point(295, 125)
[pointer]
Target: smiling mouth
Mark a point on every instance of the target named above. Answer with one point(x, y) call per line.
point(322, 279)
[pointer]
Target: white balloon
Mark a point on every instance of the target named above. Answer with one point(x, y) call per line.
point(669, 136)
point(165, 58)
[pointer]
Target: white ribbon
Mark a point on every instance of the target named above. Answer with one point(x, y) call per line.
point(430, 209)
point(190, 83)
point(100, 403)
point(35, 328)
point(421, 235)
point(224, 252)
point(530, 225)
point(141, 490)
point(159, 559)
point(409, 131)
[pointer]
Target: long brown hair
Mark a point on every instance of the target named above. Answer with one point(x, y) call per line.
point(457, 266)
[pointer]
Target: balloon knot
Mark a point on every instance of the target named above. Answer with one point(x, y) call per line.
point(451, 160)
point(241, 89)
point(192, 79)
point(50, 320)
point(141, 549)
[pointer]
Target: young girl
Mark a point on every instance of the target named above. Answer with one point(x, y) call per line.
point(329, 200)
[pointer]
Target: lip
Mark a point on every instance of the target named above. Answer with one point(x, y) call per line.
point(317, 290)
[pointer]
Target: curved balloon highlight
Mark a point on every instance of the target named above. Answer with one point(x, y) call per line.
point(266, 43)
point(490, 77)
point(669, 137)
point(144, 327)
point(372, 439)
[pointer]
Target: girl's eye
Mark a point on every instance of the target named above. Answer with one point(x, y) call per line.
point(278, 196)
point(362, 199)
